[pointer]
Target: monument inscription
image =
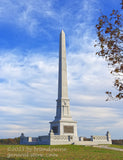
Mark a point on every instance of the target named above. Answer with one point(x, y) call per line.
point(68, 129)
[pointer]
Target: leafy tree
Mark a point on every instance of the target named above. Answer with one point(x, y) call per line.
point(110, 44)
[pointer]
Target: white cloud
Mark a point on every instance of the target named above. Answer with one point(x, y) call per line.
point(31, 15)
point(98, 120)
point(28, 110)
point(100, 113)
point(26, 14)
point(119, 123)
point(28, 91)
point(15, 130)
point(27, 77)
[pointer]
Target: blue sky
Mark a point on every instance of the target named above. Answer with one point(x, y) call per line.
point(29, 46)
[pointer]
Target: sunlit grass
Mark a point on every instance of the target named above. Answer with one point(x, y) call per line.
point(112, 145)
point(116, 146)
point(60, 152)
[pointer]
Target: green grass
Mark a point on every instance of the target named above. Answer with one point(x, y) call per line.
point(60, 152)
point(116, 146)
point(112, 145)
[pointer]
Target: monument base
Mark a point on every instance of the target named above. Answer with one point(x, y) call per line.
point(64, 127)
point(53, 139)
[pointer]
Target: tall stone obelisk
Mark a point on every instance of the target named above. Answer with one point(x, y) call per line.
point(62, 81)
point(63, 123)
point(63, 107)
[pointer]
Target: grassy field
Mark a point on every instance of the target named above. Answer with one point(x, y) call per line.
point(116, 146)
point(60, 152)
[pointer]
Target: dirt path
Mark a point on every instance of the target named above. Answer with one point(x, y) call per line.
point(112, 148)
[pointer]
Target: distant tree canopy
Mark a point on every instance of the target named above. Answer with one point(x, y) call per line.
point(110, 44)
point(10, 141)
point(118, 142)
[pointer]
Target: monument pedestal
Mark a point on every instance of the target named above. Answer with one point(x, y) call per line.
point(64, 127)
